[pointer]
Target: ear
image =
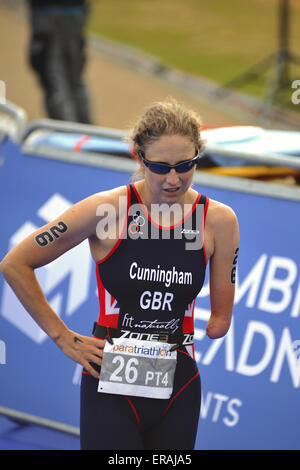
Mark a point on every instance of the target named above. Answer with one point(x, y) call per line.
point(134, 155)
point(141, 165)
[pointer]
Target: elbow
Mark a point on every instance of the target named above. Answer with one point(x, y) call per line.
point(3, 266)
point(6, 267)
point(11, 267)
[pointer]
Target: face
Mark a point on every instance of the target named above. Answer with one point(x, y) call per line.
point(172, 186)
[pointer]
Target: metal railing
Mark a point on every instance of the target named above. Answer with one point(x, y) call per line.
point(70, 127)
point(25, 418)
point(105, 160)
point(13, 121)
point(261, 158)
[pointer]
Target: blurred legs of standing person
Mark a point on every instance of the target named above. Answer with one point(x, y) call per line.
point(57, 54)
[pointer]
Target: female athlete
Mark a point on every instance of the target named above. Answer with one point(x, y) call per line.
point(151, 241)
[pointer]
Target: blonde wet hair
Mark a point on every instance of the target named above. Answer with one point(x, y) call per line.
point(165, 118)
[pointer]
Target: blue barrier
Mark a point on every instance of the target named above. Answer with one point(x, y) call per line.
point(250, 378)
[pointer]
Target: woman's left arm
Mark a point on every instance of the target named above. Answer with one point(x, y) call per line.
point(223, 262)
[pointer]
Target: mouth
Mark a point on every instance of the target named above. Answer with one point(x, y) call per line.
point(171, 190)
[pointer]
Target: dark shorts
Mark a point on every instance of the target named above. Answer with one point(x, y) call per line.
point(109, 422)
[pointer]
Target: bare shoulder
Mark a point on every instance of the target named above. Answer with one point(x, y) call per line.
point(220, 215)
point(112, 197)
point(221, 227)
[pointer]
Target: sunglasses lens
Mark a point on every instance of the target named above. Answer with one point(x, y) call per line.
point(164, 168)
point(159, 168)
point(185, 166)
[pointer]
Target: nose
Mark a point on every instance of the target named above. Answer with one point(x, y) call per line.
point(172, 177)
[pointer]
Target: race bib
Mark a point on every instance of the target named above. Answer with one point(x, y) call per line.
point(138, 368)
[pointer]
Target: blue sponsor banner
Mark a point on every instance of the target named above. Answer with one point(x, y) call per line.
point(250, 378)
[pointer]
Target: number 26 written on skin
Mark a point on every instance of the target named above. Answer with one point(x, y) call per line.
point(44, 238)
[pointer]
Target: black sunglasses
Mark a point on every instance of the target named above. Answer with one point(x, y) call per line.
point(164, 168)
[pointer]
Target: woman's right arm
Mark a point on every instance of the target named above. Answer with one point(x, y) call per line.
point(40, 248)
